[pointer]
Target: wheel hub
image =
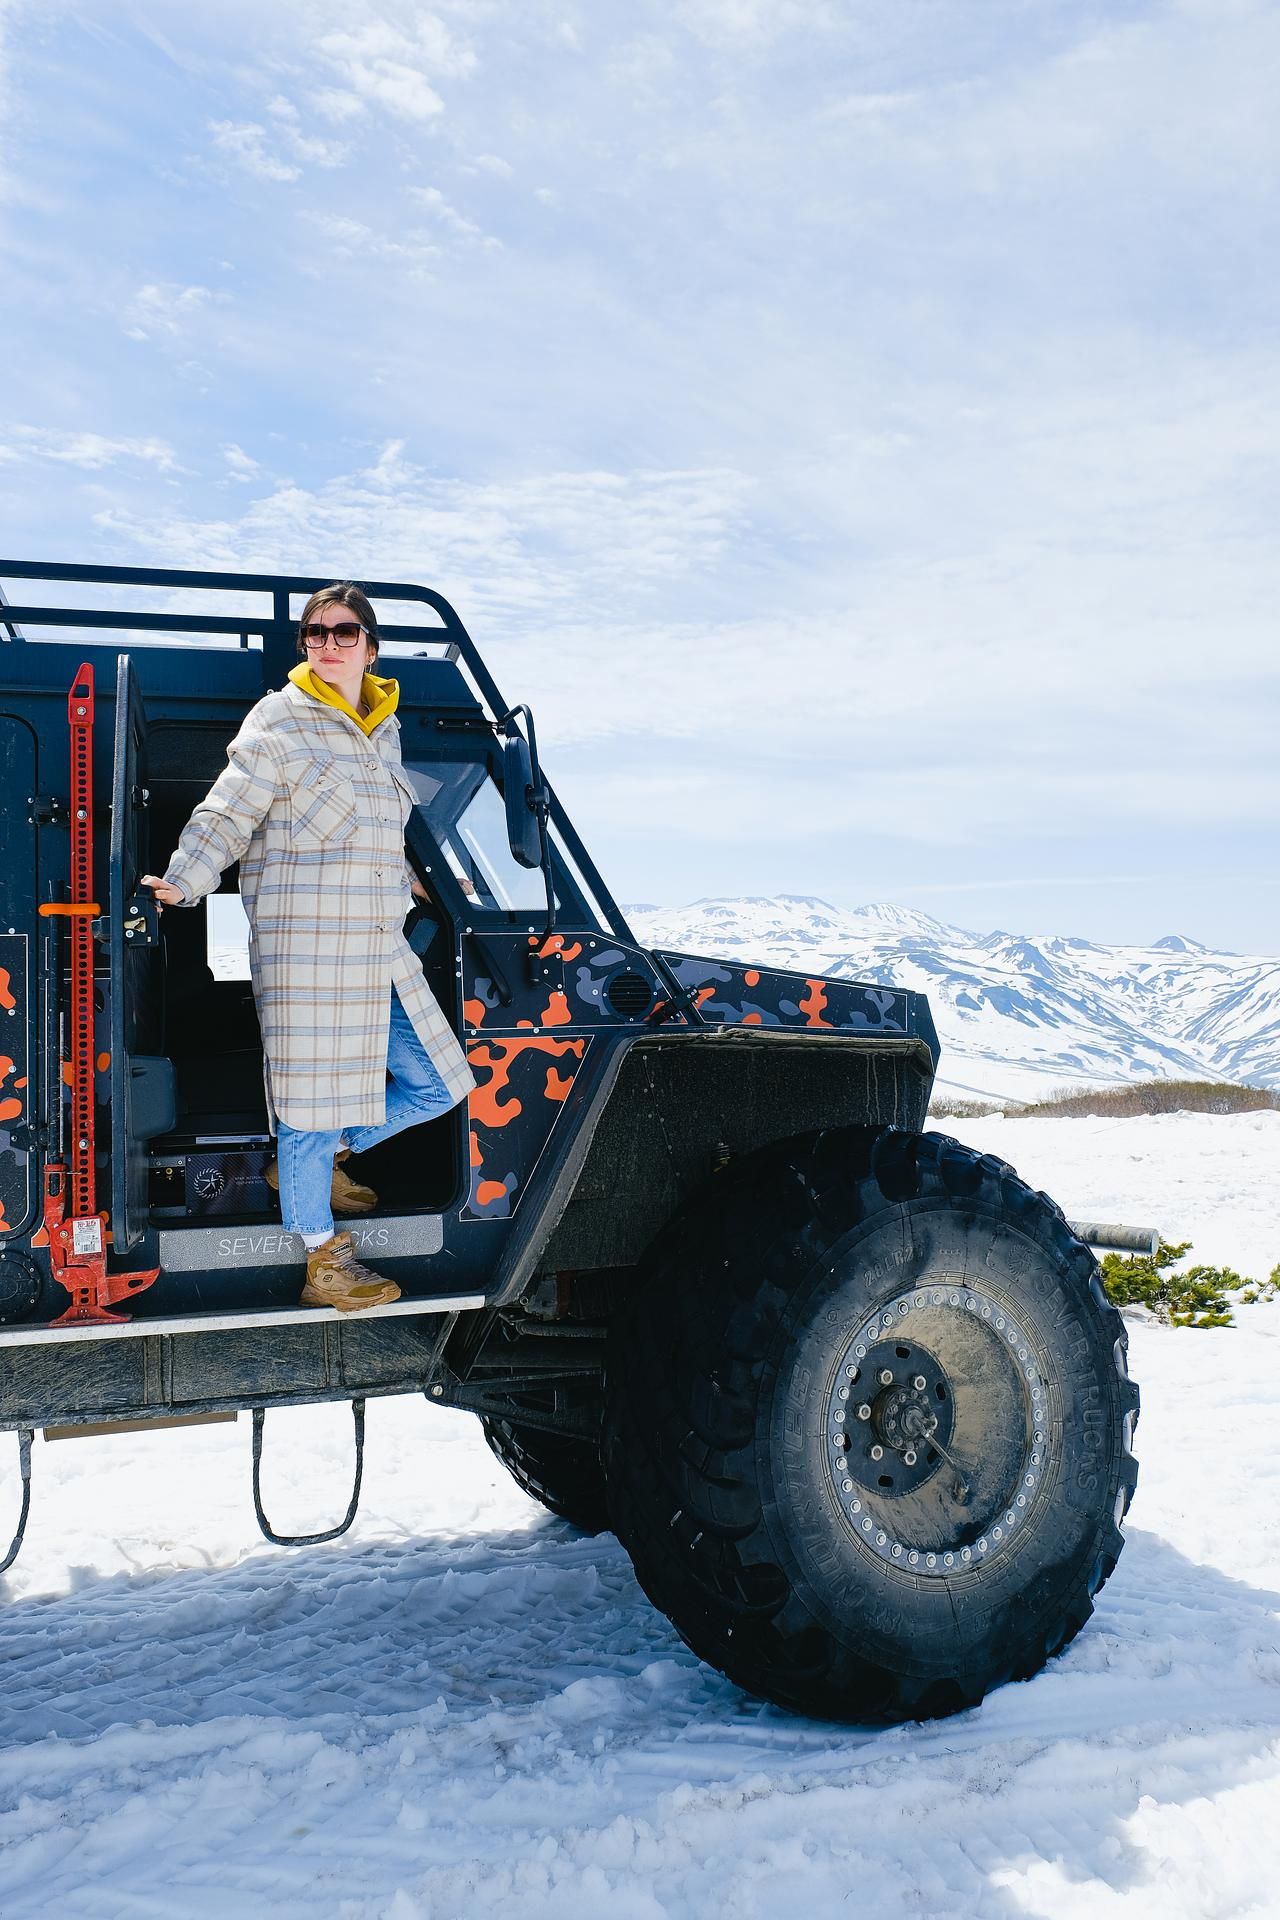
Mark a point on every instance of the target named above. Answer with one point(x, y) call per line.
point(901, 1417)
point(898, 1414)
point(937, 1429)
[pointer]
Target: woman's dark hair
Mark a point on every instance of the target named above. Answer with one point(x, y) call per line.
point(343, 593)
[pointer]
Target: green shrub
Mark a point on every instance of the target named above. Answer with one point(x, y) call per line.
point(1196, 1297)
point(945, 1108)
point(1153, 1096)
point(1268, 1289)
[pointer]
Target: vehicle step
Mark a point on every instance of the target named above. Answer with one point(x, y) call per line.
point(217, 1322)
point(222, 1249)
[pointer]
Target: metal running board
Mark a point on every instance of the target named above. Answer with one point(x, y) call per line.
point(228, 1249)
point(215, 1322)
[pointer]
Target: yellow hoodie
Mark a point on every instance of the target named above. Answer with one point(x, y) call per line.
point(382, 697)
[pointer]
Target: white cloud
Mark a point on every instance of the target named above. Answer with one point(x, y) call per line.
point(755, 23)
point(245, 142)
point(305, 145)
point(412, 248)
point(493, 163)
point(242, 466)
point(336, 103)
point(396, 69)
point(448, 217)
point(556, 546)
point(89, 451)
point(165, 309)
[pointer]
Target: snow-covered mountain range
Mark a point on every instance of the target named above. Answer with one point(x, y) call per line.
point(1017, 1014)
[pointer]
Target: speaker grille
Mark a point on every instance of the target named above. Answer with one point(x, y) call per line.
point(629, 994)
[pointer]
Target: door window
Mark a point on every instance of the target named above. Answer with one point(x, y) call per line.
point(468, 821)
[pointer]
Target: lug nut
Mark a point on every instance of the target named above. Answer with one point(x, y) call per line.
point(910, 1456)
point(886, 1378)
point(877, 1453)
point(919, 1383)
point(864, 1412)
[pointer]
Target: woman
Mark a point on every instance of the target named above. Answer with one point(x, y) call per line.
point(313, 804)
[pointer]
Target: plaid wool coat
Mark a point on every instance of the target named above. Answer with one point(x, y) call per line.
point(315, 811)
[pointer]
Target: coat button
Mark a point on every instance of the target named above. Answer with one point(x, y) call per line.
point(372, 765)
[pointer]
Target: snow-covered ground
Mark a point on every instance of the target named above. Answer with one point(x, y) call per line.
point(1213, 1179)
point(464, 1708)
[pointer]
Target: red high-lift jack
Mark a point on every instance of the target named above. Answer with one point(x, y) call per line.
point(78, 1235)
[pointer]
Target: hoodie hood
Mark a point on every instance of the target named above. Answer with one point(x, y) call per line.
point(382, 697)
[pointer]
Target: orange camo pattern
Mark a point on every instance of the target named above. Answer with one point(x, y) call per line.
point(737, 995)
point(520, 1096)
point(496, 1057)
point(7, 1000)
point(556, 945)
point(555, 1014)
point(495, 1104)
point(812, 1004)
point(10, 1109)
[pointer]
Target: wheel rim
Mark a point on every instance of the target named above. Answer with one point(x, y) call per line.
point(965, 1394)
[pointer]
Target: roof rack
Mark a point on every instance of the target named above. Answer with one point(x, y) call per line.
point(276, 629)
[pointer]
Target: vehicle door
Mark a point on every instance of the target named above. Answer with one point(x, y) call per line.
point(142, 1081)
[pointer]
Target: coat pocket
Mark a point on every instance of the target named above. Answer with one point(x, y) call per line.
point(322, 804)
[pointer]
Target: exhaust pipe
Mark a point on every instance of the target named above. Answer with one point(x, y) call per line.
point(1116, 1239)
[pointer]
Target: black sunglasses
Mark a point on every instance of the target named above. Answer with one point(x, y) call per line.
point(346, 633)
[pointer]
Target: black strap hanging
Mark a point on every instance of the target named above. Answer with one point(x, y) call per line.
point(25, 1437)
point(304, 1539)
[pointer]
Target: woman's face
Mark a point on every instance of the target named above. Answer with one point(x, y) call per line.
point(334, 664)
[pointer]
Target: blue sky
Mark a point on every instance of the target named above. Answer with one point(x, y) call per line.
point(853, 426)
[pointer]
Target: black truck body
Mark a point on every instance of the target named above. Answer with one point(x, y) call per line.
point(612, 1080)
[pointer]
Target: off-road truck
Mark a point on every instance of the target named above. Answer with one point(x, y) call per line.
point(849, 1392)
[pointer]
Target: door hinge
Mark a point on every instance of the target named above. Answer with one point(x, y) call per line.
point(46, 810)
point(141, 922)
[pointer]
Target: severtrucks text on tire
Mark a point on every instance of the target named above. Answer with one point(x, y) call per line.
point(850, 1393)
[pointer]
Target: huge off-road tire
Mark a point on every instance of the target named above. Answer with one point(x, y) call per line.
point(562, 1471)
point(868, 1425)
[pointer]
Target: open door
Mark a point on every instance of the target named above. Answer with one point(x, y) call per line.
point(142, 1083)
point(20, 1102)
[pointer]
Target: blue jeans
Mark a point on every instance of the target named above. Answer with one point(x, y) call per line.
point(415, 1093)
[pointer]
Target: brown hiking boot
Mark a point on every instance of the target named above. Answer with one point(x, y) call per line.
point(345, 1194)
point(335, 1278)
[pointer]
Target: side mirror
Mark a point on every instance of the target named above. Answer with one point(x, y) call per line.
point(519, 785)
